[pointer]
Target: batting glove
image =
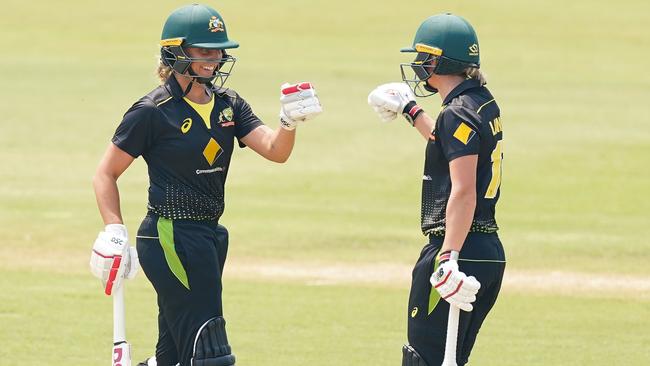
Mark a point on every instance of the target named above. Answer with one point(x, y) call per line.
point(299, 103)
point(453, 285)
point(111, 259)
point(391, 99)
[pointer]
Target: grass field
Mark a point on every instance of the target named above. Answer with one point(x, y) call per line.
point(572, 84)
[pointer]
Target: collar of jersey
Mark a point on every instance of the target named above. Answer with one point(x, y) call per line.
point(460, 88)
point(174, 89)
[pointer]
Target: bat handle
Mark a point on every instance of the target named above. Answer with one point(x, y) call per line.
point(452, 336)
point(119, 326)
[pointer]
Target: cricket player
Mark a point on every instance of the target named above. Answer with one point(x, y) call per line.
point(185, 129)
point(460, 186)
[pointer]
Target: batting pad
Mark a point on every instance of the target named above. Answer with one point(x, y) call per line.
point(410, 357)
point(211, 345)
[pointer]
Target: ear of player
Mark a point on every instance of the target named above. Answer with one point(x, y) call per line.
point(112, 259)
point(299, 103)
point(391, 99)
point(453, 285)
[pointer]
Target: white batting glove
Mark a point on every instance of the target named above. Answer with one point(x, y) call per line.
point(453, 285)
point(111, 259)
point(299, 103)
point(133, 264)
point(391, 99)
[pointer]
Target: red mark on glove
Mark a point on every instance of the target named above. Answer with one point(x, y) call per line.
point(455, 291)
point(296, 88)
point(113, 274)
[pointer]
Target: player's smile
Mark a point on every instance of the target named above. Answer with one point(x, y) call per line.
point(204, 69)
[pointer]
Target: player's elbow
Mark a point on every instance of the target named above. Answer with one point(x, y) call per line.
point(464, 192)
point(102, 177)
point(281, 159)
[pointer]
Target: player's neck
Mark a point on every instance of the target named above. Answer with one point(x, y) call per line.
point(446, 83)
point(197, 94)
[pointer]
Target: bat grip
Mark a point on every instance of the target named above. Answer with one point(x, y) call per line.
point(452, 336)
point(119, 327)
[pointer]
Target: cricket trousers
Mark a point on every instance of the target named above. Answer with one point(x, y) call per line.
point(183, 260)
point(482, 256)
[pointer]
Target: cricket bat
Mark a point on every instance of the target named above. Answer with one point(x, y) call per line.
point(452, 336)
point(121, 348)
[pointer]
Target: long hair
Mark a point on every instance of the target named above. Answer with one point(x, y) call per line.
point(163, 72)
point(474, 73)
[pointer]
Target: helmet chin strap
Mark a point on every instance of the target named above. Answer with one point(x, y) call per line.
point(195, 79)
point(429, 88)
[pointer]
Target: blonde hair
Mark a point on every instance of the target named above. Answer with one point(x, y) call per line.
point(476, 74)
point(163, 72)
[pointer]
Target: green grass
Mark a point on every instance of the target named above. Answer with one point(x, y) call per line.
point(67, 321)
point(569, 77)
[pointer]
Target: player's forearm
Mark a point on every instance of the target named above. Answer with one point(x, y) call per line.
point(279, 144)
point(459, 216)
point(108, 198)
point(424, 125)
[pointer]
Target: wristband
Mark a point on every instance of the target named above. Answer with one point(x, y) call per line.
point(447, 256)
point(411, 112)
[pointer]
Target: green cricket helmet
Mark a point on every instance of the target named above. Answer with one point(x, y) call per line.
point(446, 44)
point(197, 26)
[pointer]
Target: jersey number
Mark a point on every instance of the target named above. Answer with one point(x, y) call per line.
point(495, 182)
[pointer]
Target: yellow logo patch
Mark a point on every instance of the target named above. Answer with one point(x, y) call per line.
point(414, 312)
point(187, 124)
point(212, 151)
point(464, 133)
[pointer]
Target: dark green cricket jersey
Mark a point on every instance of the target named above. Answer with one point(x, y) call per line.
point(187, 161)
point(469, 124)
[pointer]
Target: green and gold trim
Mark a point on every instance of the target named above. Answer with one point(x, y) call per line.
point(428, 49)
point(166, 236)
point(434, 295)
point(171, 42)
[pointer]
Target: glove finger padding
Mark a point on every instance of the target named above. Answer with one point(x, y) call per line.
point(299, 103)
point(471, 284)
point(109, 258)
point(379, 98)
point(392, 97)
point(387, 116)
point(133, 264)
point(464, 306)
point(453, 285)
point(303, 109)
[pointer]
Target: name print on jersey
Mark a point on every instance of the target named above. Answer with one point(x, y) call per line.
point(496, 126)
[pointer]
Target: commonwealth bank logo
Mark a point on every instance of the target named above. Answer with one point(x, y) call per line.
point(212, 151)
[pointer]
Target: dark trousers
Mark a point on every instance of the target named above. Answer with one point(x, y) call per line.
point(482, 256)
point(184, 261)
